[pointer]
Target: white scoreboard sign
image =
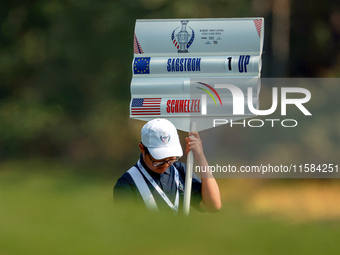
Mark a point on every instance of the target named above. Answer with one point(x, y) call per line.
point(196, 70)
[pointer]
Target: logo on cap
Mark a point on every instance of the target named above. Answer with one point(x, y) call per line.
point(165, 138)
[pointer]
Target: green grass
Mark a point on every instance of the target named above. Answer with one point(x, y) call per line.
point(60, 212)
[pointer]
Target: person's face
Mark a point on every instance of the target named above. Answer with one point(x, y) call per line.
point(156, 165)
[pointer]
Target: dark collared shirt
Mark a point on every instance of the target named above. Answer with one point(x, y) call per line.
point(125, 187)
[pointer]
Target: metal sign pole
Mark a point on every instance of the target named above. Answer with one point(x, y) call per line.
point(188, 177)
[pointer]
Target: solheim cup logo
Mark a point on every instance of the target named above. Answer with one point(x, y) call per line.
point(183, 37)
point(165, 138)
point(181, 43)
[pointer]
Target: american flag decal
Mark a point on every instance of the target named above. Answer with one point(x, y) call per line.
point(137, 49)
point(146, 106)
point(258, 25)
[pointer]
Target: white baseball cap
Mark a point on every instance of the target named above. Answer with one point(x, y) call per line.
point(161, 138)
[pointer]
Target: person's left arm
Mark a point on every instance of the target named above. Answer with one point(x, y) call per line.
point(211, 199)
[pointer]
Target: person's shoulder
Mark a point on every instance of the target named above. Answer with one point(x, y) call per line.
point(125, 180)
point(125, 187)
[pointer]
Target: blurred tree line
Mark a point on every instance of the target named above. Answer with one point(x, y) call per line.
point(65, 67)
